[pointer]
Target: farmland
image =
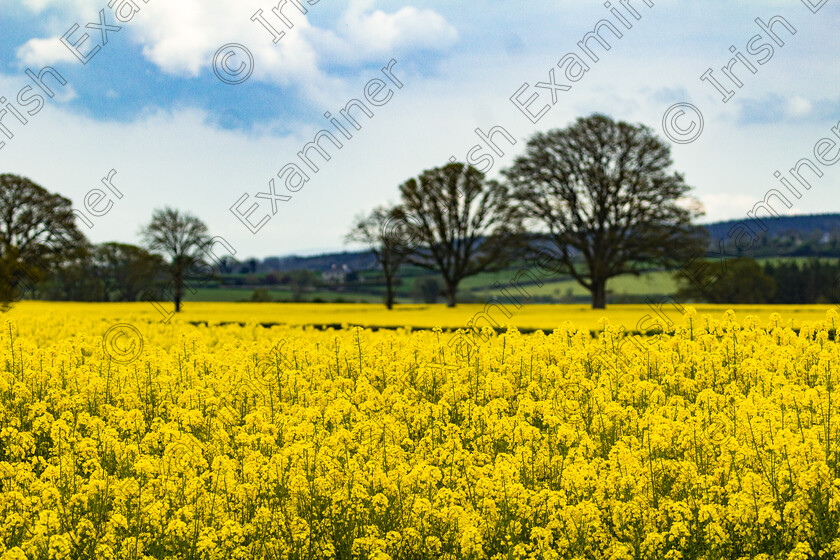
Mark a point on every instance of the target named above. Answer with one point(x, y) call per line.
point(393, 281)
point(31, 315)
point(129, 437)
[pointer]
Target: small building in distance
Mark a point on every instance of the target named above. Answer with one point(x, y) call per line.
point(336, 274)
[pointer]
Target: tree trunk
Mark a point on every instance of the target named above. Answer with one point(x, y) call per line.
point(599, 294)
point(389, 292)
point(451, 291)
point(178, 288)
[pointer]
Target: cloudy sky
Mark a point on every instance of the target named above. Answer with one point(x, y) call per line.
point(147, 94)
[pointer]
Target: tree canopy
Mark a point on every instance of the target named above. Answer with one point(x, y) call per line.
point(384, 232)
point(184, 239)
point(604, 193)
point(37, 230)
point(458, 223)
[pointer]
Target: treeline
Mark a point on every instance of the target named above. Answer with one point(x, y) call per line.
point(600, 195)
point(593, 201)
point(44, 254)
point(108, 272)
point(816, 235)
point(744, 280)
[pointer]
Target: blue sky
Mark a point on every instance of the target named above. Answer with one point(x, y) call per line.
point(150, 106)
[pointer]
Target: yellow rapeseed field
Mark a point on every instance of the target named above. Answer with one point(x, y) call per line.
point(716, 436)
point(527, 317)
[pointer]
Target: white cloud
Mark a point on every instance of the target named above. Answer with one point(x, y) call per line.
point(726, 206)
point(43, 52)
point(181, 37)
point(178, 157)
point(39, 6)
point(799, 107)
point(377, 32)
point(367, 35)
point(67, 93)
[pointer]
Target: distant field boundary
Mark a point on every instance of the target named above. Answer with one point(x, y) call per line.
point(374, 328)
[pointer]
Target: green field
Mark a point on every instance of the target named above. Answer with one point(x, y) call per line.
point(480, 287)
point(554, 288)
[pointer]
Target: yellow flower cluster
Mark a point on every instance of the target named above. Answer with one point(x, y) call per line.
point(711, 439)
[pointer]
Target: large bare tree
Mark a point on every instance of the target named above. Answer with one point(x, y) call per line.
point(604, 192)
point(183, 238)
point(384, 231)
point(459, 224)
point(37, 230)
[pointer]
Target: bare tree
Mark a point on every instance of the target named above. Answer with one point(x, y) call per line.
point(183, 238)
point(37, 229)
point(385, 232)
point(603, 190)
point(459, 224)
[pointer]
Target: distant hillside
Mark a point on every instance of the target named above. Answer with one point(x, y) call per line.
point(361, 260)
point(817, 234)
point(803, 226)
